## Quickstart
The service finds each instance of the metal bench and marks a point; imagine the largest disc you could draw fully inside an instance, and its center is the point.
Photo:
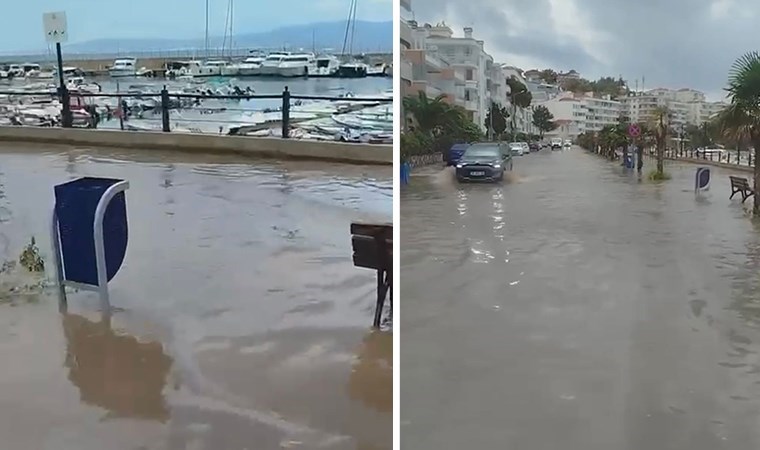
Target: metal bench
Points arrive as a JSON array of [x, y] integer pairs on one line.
[[373, 249], [739, 184]]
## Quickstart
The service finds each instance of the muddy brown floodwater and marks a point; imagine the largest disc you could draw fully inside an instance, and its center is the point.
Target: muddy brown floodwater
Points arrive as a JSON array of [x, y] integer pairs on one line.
[[240, 320], [578, 308]]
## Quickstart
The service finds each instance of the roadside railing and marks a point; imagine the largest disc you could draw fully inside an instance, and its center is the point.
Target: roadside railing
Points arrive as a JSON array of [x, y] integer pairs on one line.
[[738, 158], [240, 112]]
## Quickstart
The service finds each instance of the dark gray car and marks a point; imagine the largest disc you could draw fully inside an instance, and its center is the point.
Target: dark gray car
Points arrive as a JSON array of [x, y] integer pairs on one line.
[[484, 162]]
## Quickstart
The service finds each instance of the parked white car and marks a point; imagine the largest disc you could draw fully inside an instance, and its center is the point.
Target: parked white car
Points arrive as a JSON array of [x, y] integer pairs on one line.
[[516, 148]]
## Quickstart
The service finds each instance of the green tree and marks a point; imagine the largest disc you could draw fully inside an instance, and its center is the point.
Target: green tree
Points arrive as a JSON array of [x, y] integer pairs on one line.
[[549, 76], [519, 97], [741, 119], [431, 115], [543, 119], [438, 126], [496, 119]]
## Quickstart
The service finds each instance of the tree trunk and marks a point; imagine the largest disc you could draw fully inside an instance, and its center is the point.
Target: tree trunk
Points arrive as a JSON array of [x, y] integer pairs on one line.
[[660, 157], [756, 186]]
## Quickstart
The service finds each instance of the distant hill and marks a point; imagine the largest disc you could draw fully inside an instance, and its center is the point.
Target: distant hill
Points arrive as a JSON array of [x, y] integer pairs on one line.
[[368, 37]]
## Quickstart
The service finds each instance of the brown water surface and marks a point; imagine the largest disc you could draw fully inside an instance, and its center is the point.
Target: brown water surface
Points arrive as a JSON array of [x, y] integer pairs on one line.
[[240, 321]]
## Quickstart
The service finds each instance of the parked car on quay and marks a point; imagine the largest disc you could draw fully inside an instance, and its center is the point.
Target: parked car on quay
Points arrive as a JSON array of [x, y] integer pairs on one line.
[[484, 161]]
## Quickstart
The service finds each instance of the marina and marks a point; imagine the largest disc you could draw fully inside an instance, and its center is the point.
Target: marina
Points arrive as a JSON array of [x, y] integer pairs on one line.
[[351, 110]]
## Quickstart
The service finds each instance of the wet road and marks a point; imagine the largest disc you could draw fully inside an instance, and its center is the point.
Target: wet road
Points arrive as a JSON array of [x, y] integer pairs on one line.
[[577, 308], [241, 321]]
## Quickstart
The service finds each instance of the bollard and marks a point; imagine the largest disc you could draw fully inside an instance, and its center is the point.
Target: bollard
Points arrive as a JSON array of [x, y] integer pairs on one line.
[[165, 110], [89, 234], [286, 113]]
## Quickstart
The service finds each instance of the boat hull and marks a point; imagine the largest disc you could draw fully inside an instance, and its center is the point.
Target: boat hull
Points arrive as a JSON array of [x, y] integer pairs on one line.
[[122, 73], [292, 72], [249, 71]]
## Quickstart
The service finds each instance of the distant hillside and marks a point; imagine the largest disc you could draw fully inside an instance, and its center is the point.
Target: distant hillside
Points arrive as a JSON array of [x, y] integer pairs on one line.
[[368, 37]]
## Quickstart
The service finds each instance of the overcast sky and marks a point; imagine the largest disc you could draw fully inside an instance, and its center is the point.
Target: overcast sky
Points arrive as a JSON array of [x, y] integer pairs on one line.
[[93, 19], [671, 43]]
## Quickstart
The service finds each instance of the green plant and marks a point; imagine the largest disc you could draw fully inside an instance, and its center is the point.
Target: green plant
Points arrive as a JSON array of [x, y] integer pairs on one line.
[[657, 176], [30, 258]]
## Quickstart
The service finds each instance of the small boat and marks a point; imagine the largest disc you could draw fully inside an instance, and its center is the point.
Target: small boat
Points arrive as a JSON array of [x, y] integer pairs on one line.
[[211, 68], [182, 69], [123, 67], [352, 70], [378, 70], [327, 66]]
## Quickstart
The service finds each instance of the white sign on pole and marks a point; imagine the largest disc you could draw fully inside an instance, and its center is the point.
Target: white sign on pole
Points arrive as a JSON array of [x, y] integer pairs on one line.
[[56, 29]]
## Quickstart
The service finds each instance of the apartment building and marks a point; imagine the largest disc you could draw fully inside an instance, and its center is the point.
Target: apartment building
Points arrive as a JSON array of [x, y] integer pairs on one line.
[[581, 113], [686, 106], [470, 62]]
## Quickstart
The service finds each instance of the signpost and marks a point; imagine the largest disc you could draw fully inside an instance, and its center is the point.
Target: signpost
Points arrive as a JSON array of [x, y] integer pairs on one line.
[[89, 234], [56, 31], [634, 130]]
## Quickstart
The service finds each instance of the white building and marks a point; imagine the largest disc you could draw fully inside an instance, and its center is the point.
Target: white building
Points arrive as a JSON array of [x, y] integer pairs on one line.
[[577, 114], [686, 106], [470, 62]]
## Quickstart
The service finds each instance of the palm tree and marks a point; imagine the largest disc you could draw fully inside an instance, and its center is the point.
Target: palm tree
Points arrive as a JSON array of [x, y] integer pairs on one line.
[[431, 115], [741, 119], [660, 118]]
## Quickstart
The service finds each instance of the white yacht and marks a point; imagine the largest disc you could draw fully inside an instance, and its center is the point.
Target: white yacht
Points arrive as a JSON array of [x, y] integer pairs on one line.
[[297, 65], [212, 68], [250, 66], [271, 64], [123, 67], [327, 66]]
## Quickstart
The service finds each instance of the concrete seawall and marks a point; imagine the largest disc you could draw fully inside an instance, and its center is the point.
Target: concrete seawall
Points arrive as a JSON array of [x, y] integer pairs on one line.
[[252, 146]]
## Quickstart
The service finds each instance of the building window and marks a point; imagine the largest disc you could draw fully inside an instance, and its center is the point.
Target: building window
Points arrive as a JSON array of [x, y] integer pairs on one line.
[[468, 75], [467, 95]]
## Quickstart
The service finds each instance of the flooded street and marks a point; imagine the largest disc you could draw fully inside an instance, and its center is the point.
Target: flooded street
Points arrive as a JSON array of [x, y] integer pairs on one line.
[[578, 308], [240, 320]]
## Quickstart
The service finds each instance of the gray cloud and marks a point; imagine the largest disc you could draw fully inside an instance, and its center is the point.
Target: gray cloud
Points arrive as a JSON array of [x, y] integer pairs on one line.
[[673, 43]]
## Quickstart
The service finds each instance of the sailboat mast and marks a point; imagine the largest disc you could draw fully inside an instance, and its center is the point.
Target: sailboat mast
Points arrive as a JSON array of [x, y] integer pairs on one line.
[[207, 43]]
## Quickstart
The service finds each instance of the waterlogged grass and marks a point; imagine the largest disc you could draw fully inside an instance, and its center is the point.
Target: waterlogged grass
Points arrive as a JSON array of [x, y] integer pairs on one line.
[[23, 279], [656, 176]]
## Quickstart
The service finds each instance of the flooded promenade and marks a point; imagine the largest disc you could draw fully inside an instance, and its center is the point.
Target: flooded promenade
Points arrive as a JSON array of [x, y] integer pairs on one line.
[[578, 308], [240, 320]]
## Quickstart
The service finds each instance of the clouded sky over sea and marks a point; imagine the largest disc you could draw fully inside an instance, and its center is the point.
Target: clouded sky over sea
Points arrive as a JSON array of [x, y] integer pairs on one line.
[[96, 19], [673, 43]]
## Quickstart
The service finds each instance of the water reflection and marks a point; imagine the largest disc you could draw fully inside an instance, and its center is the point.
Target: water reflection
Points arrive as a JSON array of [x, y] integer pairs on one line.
[[116, 372], [372, 375]]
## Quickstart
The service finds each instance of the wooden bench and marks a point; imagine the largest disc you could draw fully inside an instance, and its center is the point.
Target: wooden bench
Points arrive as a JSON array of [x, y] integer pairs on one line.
[[739, 184], [373, 249]]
